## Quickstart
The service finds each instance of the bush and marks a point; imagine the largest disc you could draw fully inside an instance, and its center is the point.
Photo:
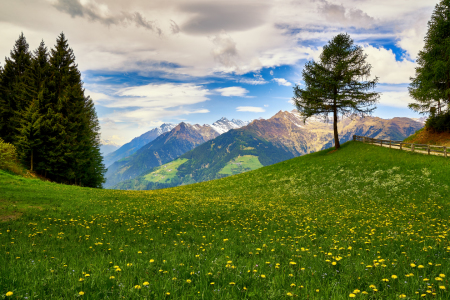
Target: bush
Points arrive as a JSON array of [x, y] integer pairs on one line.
[[439, 123], [8, 156]]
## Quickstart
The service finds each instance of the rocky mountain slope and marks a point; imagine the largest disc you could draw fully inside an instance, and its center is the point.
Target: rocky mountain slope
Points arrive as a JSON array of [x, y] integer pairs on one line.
[[163, 149], [233, 152], [135, 144]]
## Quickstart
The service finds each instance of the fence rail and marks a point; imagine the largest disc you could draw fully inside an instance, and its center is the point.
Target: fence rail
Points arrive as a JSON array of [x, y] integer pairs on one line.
[[420, 148]]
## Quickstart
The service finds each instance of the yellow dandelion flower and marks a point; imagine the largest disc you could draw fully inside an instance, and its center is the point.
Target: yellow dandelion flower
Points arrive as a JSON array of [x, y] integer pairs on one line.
[[292, 263], [111, 277], [263, 276], [289, 294], [420, 266], [394, 277], [356, 291], [145, 283], [352, 295], [9, 294], [137, 286], [212, 283], [333, 263], [152, 260], [81, 293], [87, 275], [438, 279], [385, 279], [442, 275], [232, 283], [402, 296], [442, 287], [292, 284]]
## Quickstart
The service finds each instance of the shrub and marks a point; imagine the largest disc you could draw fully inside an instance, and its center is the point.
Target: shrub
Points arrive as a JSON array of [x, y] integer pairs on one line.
[[8, 156], [439, 123]]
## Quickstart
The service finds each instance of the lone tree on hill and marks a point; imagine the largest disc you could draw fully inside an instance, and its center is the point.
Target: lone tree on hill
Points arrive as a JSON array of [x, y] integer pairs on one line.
[[431, 86], [335, 84]]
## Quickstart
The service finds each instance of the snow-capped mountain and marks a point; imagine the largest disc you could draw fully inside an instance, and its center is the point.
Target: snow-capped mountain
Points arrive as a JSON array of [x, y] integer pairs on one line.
[[223, 125], [136, 143]]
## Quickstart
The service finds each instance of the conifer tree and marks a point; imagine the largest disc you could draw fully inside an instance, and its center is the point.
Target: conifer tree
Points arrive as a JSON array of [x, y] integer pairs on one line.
[[431, 86], [334, 83], [15, 89]]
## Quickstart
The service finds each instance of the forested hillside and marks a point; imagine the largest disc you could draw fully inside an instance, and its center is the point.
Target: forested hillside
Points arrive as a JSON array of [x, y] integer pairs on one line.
[[45, 114]]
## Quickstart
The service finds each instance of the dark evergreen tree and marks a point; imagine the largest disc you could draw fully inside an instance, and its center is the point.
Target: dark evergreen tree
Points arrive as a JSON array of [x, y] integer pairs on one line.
[[14, 90], [334, 83], [70, 123], [431, 86]]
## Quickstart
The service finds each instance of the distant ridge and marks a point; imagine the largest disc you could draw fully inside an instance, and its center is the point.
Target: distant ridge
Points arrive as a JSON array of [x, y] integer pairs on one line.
[[166, 147], [135, 144]]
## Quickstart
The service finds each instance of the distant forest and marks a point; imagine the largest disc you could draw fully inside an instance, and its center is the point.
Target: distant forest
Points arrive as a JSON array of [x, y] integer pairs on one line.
[[45, 114]]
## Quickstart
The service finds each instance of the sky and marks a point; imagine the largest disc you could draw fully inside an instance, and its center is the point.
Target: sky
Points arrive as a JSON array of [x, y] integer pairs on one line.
[[149, 62]]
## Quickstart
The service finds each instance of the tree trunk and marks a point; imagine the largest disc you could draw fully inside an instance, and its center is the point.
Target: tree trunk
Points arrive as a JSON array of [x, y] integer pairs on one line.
[[31, 160], [337, 145]]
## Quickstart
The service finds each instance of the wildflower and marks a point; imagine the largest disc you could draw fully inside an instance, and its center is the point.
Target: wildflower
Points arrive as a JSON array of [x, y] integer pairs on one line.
[[167, 293], [289, 294], [385, 279], [145, 283], [352, 295], [333, 263], [212, 283], [229, 262], [232, 283], [137, 286], [292, 263], [356, 291], [412, 265], [438, 279], [426, 279], [87, 275], [81, 279], [372, 286], [292, 284], [317, 291], [139, 252], [81, 293], [111, 277], [394, 277], [442, 287], [263, 276], [9, 294], [402, 296], [152, 260], [442, 275]]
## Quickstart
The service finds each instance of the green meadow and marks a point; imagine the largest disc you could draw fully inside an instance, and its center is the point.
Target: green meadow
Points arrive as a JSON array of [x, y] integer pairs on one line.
[[165, 172], [363, 222], [241, 164]]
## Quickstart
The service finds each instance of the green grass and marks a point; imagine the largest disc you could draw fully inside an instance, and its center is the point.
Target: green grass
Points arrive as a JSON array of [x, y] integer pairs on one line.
[[241, 164], [165, 173], [315, 227]]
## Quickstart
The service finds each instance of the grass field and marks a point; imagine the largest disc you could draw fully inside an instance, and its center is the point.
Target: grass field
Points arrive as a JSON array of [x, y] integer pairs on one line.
[[364, 222], [241, 164], [165, 172]]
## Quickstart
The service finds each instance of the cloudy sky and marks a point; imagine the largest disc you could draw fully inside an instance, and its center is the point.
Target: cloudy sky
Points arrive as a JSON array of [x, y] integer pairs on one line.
[[147, 62]]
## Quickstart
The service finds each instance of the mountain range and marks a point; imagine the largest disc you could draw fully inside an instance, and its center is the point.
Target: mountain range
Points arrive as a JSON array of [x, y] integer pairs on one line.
[[260, 143], [164, 148]]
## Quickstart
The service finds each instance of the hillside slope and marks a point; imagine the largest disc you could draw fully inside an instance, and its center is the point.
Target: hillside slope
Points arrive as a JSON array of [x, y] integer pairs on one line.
[[318, 226], [429, 137], [207, 161]]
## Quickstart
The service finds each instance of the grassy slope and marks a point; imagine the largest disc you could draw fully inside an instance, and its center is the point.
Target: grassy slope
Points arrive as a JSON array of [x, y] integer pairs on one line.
[[165, 172], [370, 210], [241, 164]]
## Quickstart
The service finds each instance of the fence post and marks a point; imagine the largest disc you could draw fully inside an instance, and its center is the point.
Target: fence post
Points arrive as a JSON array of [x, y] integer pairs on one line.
[[354, 137], [412, 147], [428, 146], [381, 142], [364, 139], [390, 142], [400, 145], [445, 151]]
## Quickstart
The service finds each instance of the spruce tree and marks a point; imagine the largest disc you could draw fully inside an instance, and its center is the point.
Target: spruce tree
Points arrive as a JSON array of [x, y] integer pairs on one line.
[[14, 90], [71, 123], [334, 84], [431, 86]]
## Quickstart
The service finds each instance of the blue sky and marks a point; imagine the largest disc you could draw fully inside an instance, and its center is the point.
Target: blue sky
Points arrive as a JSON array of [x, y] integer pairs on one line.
[[145, 63]]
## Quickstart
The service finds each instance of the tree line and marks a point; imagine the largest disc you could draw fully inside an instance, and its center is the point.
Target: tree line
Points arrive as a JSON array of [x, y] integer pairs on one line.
[[46, 115]]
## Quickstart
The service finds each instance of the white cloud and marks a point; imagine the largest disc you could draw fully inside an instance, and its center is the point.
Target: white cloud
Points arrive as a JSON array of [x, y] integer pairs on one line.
[[250, 109], [282, 81], [396, 99], [258, 80], [271, 72], [159, 95], [387, 68], [236, 91]]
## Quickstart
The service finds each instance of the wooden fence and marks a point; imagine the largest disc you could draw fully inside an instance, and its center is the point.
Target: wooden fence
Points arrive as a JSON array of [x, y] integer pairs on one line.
[[420, 148]]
